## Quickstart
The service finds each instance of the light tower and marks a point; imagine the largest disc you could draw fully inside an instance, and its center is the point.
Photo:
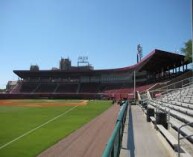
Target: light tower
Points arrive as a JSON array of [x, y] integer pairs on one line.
[[139, 53]]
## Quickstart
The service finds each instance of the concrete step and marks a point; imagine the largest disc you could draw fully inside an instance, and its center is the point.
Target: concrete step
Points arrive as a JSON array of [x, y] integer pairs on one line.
[[181, 116], [186, 131], [185, 105], [171, 139]]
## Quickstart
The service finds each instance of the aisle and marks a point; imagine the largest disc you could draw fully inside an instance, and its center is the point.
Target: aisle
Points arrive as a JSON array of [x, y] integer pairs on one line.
[[141, 139]]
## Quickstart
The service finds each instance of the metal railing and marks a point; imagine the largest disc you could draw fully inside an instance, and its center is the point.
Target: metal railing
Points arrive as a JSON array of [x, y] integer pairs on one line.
[[171, 87], [113, 146], [184, 137]]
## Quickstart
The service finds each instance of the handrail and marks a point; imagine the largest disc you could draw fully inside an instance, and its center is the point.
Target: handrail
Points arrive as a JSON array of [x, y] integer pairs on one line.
[[190, 79], [170, 90], [185, 137], [113, 146]]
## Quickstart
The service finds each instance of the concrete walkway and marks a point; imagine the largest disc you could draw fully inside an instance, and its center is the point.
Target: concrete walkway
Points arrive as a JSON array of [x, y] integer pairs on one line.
[[140, 138]]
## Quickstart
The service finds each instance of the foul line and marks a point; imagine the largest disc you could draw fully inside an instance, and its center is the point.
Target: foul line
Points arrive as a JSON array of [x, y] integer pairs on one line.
[[3, 146]]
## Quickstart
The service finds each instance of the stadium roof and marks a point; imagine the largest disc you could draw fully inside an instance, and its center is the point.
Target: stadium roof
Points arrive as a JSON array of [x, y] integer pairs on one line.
[[159, 60], [156, 61]]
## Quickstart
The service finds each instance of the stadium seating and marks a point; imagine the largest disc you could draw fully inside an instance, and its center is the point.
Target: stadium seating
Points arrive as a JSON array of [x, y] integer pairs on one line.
[[45, 88], [89, 87], [177, 103], [66, 88], [127, 92], [75, 87], [28, 87], [16, 89]]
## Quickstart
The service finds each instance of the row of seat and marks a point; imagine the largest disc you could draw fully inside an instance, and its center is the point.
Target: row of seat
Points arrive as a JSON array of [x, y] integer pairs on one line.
[[178, 105], [177, 118], [183, 95], [26, 87]]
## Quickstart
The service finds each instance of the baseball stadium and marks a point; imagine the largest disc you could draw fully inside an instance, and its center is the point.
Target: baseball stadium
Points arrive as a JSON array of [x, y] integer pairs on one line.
[[80, 111]]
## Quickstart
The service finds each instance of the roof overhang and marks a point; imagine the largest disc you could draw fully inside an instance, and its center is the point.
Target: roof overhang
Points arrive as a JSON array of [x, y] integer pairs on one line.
[[154, 62]]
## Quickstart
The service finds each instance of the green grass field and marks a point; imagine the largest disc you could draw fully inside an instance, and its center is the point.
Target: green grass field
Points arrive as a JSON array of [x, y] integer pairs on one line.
[[15, 121]]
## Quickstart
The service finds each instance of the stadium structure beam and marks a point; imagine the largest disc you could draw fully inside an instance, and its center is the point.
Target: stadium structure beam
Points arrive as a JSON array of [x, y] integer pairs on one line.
[[134, 84], [192, 28]]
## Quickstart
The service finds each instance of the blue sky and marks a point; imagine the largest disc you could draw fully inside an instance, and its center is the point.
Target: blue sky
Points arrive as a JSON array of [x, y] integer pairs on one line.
[[107, 31]]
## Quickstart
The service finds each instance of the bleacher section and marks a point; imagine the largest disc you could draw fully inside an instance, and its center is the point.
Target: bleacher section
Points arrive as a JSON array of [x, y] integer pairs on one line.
[[49, 87], [66, 88], [17, 88], [28, 87], [176, 101], [45, 88], [127, 92], [89, 87]]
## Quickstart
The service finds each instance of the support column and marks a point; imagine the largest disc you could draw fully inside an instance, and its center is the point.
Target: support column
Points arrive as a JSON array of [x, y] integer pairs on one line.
[[162, 73], [174, 69]]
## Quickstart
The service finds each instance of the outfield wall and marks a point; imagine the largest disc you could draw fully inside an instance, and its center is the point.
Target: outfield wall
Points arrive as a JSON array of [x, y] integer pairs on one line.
[[53, 96]]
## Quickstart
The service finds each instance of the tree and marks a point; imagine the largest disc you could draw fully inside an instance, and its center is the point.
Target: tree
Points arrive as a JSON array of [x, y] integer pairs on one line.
[[187, 50]]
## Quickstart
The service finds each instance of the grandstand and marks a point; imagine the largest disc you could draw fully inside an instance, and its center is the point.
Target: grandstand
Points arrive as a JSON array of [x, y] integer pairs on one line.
[[157, 66]]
